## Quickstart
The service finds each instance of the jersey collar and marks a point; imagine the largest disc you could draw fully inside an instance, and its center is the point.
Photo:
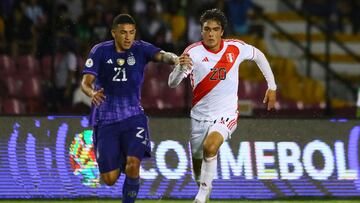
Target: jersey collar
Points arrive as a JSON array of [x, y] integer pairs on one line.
[[215, 52]]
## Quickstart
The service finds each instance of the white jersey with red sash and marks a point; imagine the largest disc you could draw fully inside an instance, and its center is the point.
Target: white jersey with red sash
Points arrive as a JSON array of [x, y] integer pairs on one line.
[[215, 78]]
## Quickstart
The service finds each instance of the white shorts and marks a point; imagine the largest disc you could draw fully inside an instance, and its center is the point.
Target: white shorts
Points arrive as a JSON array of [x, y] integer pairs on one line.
[[200, 129]]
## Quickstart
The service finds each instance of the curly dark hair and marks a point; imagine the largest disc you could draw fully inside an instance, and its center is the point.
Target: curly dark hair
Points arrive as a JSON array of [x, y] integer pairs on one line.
[[214, 14]]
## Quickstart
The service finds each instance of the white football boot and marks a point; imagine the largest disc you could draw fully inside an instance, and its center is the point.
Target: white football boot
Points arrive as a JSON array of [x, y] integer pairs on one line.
[[203, 194]]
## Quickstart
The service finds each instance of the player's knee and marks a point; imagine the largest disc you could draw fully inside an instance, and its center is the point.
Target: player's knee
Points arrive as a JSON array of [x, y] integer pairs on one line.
[[132, 167], [212, 144], [109, 180], [210, 150], [111, 177]]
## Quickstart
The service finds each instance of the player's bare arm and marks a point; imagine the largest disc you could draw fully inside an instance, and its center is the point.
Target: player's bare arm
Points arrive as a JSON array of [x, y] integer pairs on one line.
[[97, 96], [166, 57]]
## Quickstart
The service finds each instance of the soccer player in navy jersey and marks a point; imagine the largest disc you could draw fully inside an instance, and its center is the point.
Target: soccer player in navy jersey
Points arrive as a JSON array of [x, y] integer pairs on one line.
[[112, 77]]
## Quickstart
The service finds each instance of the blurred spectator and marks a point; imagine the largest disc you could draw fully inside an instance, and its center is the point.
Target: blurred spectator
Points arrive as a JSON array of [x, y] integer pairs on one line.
[[208, 4], [45, 36], [75, 8], [161, 40], [325, 9], [84, 31], [139, 7], [95, 5], [237, 12], [79, 98], [21, 33], [194, 27], [337, 13], [177, 21], [64, 25], [321, 8], [6, 8], [153, 23], [2, 32], [65, 72], [35, 12], [100, 29], [355, 15]]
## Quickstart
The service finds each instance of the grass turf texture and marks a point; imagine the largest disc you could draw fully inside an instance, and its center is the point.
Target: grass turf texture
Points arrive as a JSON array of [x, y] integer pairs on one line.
[[182, 201]]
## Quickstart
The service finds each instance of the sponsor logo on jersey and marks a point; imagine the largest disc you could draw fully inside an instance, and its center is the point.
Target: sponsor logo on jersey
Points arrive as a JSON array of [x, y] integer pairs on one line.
[[131, 60], [205, 59], [89, 63], [120, 62], [109, 61], [230, 57]]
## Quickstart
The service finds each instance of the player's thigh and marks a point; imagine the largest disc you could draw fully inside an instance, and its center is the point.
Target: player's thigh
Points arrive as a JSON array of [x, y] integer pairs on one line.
[[108, 154], [199, 131], [138, 137], [225, 126]]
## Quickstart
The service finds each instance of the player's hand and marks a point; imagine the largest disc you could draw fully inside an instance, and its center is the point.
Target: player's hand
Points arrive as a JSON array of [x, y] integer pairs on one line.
[[270, 99], [185, 61], [97, 97]]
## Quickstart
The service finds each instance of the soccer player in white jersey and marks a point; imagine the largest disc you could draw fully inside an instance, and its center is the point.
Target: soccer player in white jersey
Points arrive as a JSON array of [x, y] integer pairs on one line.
[[213, 67]]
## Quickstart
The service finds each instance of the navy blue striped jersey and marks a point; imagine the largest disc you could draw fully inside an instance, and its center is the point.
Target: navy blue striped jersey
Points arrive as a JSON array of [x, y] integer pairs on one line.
[[121, 75]]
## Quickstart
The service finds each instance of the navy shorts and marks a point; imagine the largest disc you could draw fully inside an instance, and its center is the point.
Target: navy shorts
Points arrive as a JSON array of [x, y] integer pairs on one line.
[[114, 142]]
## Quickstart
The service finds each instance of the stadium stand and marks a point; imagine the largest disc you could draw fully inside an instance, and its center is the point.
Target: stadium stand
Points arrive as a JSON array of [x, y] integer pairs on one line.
[[7, 65], [13, 106], [47, 69], [14, 85], [296, 88], [27, 65]]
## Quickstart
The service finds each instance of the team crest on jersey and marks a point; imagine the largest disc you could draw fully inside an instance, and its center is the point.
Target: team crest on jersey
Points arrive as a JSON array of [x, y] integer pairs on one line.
[[131, 60], [120, 61], [89, 63], [230, 57]]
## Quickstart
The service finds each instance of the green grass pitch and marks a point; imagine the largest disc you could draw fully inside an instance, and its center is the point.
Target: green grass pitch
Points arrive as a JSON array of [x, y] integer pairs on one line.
[[181, 201]]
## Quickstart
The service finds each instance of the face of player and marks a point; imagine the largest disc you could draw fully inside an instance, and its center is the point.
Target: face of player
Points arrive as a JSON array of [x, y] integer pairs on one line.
[[124, 36], [211, 33]]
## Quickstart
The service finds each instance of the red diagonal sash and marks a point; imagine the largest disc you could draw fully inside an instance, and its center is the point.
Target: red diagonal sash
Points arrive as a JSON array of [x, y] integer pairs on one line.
[[226, 61]]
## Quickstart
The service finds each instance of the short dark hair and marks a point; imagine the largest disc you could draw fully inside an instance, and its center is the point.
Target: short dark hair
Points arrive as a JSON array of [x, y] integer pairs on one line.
[[123, 19], [214, 14]]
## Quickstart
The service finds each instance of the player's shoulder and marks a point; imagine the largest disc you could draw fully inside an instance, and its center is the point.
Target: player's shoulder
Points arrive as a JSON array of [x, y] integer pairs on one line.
[[236, 42], [193, 46], [102, 46], [141, 43]]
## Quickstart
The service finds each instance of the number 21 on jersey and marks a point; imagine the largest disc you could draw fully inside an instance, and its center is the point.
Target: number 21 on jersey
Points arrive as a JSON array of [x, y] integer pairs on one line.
[[120, 74]]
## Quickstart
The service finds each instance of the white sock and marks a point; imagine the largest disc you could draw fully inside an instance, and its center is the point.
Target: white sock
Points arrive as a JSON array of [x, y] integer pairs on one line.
[[208, 170]]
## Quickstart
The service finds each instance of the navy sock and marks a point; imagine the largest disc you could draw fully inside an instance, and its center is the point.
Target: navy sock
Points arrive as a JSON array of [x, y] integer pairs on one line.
[[130, 189]]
